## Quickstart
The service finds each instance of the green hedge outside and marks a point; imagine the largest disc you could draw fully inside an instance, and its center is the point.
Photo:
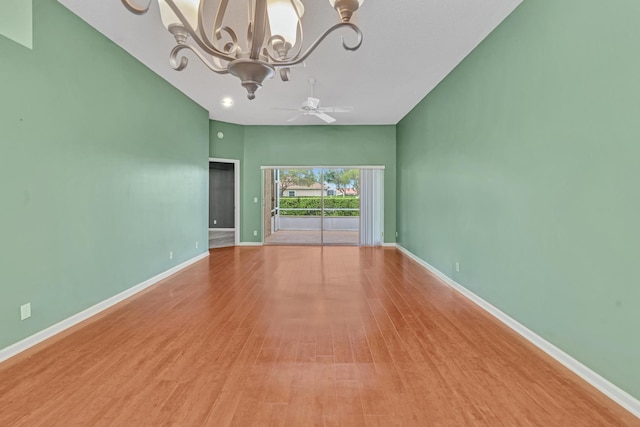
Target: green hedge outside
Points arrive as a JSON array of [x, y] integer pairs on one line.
[[313, 202]]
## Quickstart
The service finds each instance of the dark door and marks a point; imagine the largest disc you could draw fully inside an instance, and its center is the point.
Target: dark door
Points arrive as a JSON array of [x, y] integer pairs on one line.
[[221, 204]]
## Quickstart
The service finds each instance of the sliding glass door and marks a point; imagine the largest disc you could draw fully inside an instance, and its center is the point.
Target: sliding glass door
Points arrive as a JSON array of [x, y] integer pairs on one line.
[[341, 207], [313, 206], [296, 214]]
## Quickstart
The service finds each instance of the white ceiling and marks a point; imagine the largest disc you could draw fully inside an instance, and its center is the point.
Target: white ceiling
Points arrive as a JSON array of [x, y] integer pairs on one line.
[[409, 47]]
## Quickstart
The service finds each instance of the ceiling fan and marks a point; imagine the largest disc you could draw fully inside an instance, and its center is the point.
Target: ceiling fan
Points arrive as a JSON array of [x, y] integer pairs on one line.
[[311, 107]]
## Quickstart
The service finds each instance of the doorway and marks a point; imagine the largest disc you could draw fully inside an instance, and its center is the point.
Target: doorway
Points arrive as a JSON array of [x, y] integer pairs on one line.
[[223, 203], [317, 206]]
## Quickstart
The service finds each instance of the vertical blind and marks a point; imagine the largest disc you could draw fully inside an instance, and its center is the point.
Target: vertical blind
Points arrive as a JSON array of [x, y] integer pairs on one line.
[[371, 207]]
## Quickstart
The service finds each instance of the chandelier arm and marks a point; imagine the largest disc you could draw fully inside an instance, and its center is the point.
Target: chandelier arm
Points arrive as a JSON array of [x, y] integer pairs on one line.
[[319, 40], [234, 40], [267, 52], [217, 28], [259, 29], [179, 65], [250, 13], [278, 38], [222, 9], [210, 49], [217, 63], [299, 29], [201, 27], [136, 9]]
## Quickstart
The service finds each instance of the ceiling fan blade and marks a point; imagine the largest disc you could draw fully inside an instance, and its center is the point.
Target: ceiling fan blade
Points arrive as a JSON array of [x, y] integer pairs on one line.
[[336, 109], [313, 102], [327, 118], [294, 118]]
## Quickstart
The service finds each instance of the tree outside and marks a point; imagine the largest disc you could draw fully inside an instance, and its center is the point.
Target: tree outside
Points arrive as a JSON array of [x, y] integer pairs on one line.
[[343, 179], [296, 177], [345, 202]]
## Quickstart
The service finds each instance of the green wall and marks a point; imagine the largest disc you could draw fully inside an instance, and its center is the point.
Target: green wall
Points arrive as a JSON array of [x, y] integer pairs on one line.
[[231, 146], [522, 165], [304, 146], [16, 21], [103, 171]]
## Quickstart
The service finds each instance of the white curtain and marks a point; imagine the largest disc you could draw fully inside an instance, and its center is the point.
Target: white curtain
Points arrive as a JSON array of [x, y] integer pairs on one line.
[[371, 207]]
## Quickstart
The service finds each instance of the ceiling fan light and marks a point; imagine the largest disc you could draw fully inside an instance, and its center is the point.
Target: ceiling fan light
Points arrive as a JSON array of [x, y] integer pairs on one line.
[[283, 19], [189, 9]]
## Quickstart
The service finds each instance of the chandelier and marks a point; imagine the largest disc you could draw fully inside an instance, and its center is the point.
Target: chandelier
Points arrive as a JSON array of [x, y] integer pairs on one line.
[[273, 43]]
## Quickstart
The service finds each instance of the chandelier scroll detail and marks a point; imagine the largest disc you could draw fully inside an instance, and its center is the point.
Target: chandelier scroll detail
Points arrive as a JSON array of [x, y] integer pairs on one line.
[[274, 38]]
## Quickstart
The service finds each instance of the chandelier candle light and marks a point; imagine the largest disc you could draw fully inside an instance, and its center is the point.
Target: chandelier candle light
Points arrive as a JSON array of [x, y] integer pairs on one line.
[[274, 36]]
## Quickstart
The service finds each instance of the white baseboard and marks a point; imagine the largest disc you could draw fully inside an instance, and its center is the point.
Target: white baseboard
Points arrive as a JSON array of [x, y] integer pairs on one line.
[[389, 245], [49, 332], [250, 244], [614, 392]]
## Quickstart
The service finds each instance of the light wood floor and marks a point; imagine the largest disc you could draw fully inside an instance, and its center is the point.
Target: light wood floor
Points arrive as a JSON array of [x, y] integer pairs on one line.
[[297, 336]]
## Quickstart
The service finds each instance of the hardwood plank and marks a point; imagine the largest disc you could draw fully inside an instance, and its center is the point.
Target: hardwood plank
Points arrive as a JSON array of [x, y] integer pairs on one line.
[[274, 336], [349, 404]]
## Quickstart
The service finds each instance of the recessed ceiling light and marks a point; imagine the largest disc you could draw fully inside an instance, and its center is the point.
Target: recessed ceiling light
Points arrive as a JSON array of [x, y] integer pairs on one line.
[[227, 102]]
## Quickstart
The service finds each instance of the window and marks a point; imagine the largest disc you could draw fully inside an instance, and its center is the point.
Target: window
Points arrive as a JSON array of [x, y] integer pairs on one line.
[[292, 193], [331, 192]]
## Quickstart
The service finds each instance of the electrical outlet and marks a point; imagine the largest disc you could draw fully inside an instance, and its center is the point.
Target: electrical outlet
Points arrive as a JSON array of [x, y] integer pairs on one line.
[[457, 267], [25, 311], [197, 245], [255, 200], [170, 254], [255, 232], [396, 234], [215, 221]]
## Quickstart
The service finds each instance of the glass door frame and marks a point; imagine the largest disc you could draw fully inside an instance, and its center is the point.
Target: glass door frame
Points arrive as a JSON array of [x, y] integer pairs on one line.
[[322, 170]]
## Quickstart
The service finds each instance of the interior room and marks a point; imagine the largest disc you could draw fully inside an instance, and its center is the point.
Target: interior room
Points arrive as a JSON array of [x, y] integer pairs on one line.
[[493, 279]]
